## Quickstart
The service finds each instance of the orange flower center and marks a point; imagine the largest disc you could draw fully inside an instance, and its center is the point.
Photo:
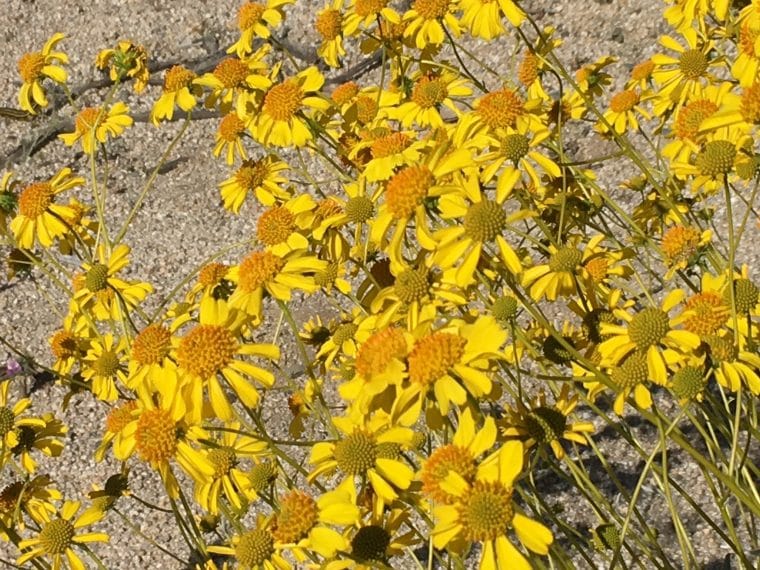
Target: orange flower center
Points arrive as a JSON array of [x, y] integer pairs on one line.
[[527, 73], [120, 416], [231, 72], [750, 103], [283, 100], [64, 345], [708, 313], [88, 120], [328, 24], [435, 470], [251, 174], [747, 37], [206, 350], [249, 14], [212, 274], [642, 70], [407, 189], [366, 109], [485, 511], [691, 116], [344, 93], [500, 109], [433, 356], [365, 8], [275, 225], [30, 66], [35, 199], [156, 436], [597, 268], [231, 127], [298, 514], [624, 101], [152, 345], [693, 64], [176, 78], [389, 145], [431, 9], [429, 92], [258, 268], [377, 352]]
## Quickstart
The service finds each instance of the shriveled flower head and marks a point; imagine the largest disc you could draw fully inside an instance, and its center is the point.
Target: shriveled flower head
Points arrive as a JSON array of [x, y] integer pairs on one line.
[[126, 61]]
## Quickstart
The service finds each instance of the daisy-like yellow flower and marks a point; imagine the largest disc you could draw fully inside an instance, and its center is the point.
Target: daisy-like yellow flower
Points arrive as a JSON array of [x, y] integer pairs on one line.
[[429, 94], [19, 497], [746, 65], [416, 293], [329, 26], [497, 111], [210, 353], [460, 456], [517, 150], [99, 291], [448, 364], [151, 353], [12, 420], [621, 114], [484, 512], [179, 90], [262, 177], [732, 363], [281, 121], [560, 275], [708, 311], [263, 270], [95, 124], [34, 67], [103, 365], [546, 424], [83, 229], [370, 449], [649, 331], [353, 211], [303, 523], [388, 150], [379, 363], [710, 108], [282, 228], [126, 60], [45, 438], [255, 549], [70, 343], [678, 76], [254, 20], [425, 21], [362, 14], [229, 137], [237, 82], [117, 419], [715, 159], [373, 543], [161, 434], [682, 245], [228, 480], [58, 536], [39, 218], [405, 195], [481, 223]]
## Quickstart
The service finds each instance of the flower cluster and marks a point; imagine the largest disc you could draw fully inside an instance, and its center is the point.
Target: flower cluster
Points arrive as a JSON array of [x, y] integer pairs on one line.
[[488, 290]]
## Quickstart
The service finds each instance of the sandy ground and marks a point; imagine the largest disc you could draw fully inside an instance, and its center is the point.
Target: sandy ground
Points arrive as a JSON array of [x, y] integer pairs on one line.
[[182, 222]]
